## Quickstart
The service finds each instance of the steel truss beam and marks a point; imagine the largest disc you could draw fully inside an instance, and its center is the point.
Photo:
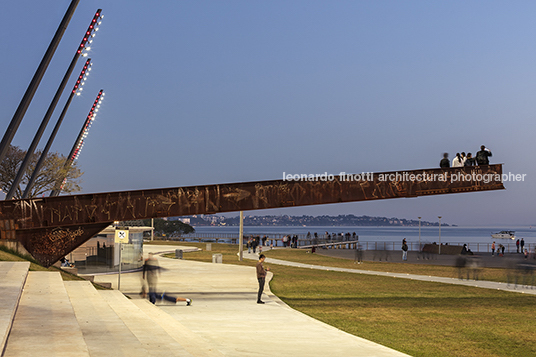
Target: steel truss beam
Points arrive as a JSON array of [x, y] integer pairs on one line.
[[49, 228]]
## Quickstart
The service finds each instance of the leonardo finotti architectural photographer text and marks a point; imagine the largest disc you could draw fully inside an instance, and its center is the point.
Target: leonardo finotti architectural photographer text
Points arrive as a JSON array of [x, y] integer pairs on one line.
[[405, 176]]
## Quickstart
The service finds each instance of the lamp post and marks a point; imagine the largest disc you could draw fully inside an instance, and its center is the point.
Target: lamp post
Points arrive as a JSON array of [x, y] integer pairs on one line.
[[439, 234], [419, 234], [36, 80], [30, 153], [79, 143], [76, 91], [241, 237]]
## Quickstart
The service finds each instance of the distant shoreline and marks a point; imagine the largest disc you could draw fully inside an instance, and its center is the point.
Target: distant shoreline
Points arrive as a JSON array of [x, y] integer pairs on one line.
[[349, 220]]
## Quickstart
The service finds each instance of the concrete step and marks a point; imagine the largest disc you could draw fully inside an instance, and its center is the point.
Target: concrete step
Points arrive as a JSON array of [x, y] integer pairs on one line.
[[12, 278], [104, 332], [151, 335], [45, 323], [191, 341]]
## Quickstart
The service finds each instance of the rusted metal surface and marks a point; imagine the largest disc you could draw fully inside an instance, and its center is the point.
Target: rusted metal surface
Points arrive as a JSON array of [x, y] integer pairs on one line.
[[51, 227]]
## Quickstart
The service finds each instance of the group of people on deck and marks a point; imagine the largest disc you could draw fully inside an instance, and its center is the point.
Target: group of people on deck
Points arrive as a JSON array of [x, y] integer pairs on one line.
[[481, 158]]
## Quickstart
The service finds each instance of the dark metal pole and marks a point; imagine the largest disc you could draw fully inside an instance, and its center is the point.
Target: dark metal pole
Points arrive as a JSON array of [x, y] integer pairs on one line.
[[54, 132], [42, 127], [77, 144], [36, 80], [22, 169]]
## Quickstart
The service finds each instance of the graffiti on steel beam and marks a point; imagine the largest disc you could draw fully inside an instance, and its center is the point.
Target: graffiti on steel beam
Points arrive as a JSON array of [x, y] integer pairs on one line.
[[55, 239]]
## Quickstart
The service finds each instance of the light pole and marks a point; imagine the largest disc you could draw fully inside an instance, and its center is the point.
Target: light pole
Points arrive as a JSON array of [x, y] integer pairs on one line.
[[419, 234], [76, 91], [78, 144], [36, 80], [241, 237], [52, 106], [439, 234]]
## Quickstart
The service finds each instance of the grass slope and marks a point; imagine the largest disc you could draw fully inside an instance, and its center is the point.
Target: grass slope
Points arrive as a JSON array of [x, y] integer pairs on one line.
[[418, 318]]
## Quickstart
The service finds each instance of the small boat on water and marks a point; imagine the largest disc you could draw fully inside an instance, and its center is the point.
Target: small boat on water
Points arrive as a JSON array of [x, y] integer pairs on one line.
[[504, 235]]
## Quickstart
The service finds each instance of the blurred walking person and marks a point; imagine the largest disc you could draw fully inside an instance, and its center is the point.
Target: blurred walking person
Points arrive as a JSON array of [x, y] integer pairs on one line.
[[151, 269]]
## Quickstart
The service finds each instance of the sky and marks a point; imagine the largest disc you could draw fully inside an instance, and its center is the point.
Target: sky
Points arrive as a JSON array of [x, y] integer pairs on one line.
[[204, 92]]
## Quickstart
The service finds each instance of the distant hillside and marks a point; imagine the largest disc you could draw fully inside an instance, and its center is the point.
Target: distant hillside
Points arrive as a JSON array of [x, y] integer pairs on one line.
[[341, 220]]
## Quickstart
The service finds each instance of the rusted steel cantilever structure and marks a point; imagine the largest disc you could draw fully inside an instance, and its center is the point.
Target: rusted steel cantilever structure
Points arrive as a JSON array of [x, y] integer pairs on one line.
[[49, 228]]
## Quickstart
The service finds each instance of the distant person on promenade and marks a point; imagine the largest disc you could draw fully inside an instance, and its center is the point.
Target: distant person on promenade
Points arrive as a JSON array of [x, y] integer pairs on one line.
[[457, 161], [151, 269], [254, 244], [522, 244], [445, 163], [493, 248], [470, 160], [517, 245], [261, 277], [482, 157], [460, 266], [358, 253], [404, 250]]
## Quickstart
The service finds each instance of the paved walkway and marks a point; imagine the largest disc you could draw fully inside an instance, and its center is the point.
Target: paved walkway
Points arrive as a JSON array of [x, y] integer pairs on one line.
[[224, 312]]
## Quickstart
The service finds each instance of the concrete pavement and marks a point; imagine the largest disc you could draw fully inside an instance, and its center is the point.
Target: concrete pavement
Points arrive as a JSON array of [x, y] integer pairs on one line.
[[225, 315]]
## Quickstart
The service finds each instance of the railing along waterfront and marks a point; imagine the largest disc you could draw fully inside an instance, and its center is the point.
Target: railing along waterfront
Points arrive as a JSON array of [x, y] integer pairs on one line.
[[341, 242]]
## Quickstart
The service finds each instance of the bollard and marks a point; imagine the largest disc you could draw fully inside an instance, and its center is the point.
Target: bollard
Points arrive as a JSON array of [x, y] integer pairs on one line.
[[217, 258], [178, 253]]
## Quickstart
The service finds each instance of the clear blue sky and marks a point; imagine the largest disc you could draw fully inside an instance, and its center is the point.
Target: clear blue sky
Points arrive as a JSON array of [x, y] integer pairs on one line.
[[201, 92]]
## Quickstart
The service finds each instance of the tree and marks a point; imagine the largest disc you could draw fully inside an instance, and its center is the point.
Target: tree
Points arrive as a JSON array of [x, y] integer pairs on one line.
[[45, 181], [162, 226]]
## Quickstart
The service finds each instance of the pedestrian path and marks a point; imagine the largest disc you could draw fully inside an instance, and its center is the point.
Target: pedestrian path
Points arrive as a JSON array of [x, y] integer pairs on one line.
[[473, 283], [12, 279], [224, 314]]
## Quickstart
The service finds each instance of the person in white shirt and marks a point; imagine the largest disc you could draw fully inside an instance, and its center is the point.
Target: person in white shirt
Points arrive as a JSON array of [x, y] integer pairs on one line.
[[457, 161], [464, 158]]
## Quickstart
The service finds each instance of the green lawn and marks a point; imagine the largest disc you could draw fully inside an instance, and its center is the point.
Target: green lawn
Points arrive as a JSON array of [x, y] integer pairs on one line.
[[418, 318]]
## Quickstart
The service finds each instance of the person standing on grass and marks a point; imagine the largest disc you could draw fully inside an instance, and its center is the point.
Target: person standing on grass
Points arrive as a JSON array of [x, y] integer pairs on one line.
[[261, 277]]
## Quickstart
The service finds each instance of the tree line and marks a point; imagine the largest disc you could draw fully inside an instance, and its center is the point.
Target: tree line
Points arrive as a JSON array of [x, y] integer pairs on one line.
[[47, 180]]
